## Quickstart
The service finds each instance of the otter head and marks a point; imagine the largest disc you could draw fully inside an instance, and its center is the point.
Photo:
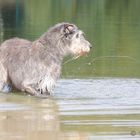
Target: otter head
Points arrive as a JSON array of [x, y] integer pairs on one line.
[[75, 39]]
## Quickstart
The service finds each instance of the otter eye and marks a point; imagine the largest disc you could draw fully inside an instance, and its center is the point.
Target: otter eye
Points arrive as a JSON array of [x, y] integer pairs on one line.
[[66, 35]]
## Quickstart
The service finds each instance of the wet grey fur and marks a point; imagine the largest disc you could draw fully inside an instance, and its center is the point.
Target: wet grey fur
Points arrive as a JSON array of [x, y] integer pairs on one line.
[[34, 67]]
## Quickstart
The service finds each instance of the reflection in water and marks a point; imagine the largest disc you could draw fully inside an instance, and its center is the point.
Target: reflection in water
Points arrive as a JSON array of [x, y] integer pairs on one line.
[[28, 118], [11, 18], [93, 109]]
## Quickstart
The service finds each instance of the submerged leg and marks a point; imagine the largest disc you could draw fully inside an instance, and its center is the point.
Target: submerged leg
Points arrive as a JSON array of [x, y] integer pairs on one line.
[[34, 90]]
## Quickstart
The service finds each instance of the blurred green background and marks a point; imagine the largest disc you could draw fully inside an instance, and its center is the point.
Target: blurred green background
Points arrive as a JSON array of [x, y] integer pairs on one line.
[[112, 27]]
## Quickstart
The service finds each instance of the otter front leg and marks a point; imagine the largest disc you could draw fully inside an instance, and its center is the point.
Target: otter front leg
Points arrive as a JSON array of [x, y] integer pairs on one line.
[[34, 90]]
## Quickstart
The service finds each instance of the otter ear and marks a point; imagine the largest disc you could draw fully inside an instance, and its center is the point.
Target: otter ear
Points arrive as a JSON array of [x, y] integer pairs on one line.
[[69, 28]]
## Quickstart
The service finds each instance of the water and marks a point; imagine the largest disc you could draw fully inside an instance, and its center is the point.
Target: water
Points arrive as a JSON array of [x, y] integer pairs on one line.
[[86, 108]]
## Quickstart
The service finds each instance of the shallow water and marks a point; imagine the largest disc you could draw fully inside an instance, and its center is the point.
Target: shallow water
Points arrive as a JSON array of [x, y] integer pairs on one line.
[[85, 109]]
